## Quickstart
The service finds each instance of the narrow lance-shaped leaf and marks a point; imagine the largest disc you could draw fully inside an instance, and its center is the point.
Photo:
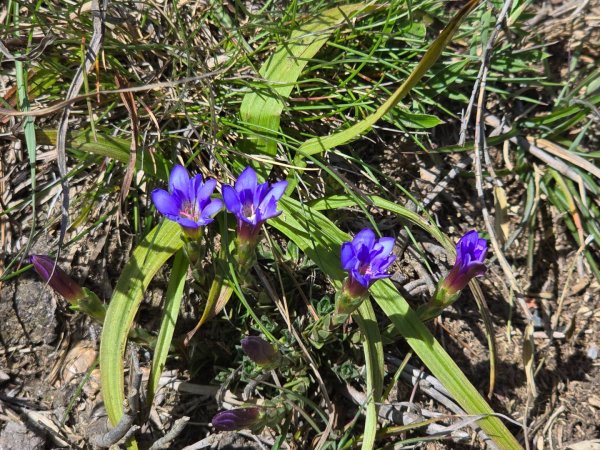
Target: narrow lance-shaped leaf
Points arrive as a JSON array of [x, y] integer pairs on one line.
[[262, 109], [148, 257]]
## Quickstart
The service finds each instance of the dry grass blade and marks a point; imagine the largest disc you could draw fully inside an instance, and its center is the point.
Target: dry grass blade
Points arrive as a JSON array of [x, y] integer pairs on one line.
[[129, 102], [63, 124]]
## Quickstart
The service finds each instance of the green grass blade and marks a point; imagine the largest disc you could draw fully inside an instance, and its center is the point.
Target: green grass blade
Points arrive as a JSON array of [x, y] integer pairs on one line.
[[30, 142], [321, 144], [373, 348], [111, 147], [169, 319], [148, 257], [262, 109], [320, 239]]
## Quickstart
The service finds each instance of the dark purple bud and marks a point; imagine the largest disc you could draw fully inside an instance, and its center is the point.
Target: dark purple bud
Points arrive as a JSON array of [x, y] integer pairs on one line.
[[237, 419], [57, 278], [471, 251], [366, 259], [260, 351]]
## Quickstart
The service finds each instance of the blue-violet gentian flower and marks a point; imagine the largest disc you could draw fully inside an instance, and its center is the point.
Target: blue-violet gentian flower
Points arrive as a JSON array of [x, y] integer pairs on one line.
[[470, 256], [252, 203], [238, 419], [188, 201], [366, 259]]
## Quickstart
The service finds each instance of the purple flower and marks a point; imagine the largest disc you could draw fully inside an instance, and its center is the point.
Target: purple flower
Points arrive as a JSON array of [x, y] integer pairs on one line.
[[188, 201], [237, 419], [252, 203], [470, 256], [57, 278], [260, 351], [366, 259]]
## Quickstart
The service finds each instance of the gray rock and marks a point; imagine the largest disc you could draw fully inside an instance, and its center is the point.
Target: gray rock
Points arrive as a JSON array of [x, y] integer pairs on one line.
[[15, 436], [27, 310]]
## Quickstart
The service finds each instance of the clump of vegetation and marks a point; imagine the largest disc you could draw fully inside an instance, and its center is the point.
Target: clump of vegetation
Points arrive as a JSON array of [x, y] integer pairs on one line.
[[300, 197]]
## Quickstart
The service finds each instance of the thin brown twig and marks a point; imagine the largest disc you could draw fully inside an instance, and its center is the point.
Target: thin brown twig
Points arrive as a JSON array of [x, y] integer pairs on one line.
[[480, 144], [125, 428], [39, 112]]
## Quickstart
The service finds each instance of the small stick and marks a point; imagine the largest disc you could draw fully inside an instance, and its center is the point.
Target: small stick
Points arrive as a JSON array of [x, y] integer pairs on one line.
[[176, 430], [125, 428]]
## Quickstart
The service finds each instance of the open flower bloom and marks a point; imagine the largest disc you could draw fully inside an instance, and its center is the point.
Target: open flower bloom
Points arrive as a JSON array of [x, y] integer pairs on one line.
[[252, 203], [57, 278], [188, 201], [238, 419], [366, 259], [470, 256]]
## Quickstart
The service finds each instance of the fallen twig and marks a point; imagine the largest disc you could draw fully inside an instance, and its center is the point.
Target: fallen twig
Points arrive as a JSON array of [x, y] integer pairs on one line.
[[176, 429], [125, 428]]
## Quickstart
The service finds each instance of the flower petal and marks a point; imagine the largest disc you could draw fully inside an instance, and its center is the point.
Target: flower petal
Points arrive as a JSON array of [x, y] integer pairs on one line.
[[165, 203], [387, 244], [205, 190], [476, 269], [267, 210], [347, 256], [246, 180], [364, 280], [212, 208], [232, 200], [189, 223], [278, 189], [179, 178], [269, 202], [365, 238], [381, 265]]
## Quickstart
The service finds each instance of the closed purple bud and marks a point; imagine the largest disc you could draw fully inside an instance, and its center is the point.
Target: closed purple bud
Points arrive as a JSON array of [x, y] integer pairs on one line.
[[471, 251], [237, 419], [57, 278], [260, 351]]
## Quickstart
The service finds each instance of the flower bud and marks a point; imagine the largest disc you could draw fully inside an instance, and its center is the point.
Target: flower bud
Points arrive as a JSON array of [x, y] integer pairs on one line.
[[57, 278], [260, 351], [238, 419]]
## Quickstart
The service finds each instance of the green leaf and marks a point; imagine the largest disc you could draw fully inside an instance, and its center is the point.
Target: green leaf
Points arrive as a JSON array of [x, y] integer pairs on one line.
[[321, 144], [262, 109], [418, 121], [148, 257], [373, 349], [169, 319], [111, 147], [320, 239]]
